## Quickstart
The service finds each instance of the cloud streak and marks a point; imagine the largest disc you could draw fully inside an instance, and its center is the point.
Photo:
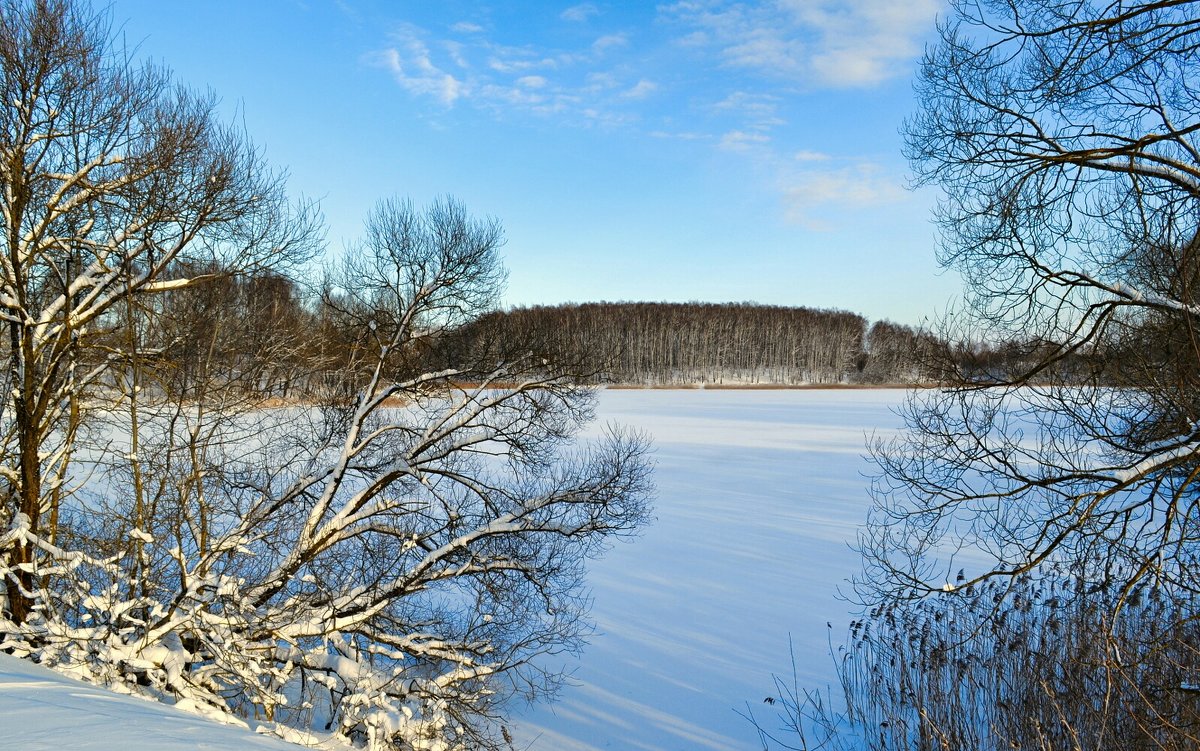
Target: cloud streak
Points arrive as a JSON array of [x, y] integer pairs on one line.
[[640, 90], [473, 69], [726, 75], [743, 141], [579, 13], [813, 43], [825, 184], [412, 66]]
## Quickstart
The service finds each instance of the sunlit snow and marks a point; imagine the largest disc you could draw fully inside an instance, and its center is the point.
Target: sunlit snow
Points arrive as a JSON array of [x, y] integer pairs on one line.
[[41, 710], [760, 495]]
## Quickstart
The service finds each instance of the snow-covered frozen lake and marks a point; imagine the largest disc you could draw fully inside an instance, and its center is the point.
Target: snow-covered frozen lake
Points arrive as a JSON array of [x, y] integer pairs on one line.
[[760, 496]]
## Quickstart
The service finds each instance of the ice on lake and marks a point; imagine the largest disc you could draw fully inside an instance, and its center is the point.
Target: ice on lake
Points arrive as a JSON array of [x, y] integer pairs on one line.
[[760, 497]]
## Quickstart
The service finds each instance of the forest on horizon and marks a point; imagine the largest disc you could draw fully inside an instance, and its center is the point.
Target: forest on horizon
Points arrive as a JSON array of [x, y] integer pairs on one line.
[[279, 341]]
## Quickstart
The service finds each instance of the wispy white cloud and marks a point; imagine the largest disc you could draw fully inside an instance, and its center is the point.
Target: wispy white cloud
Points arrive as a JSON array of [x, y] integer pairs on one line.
[[694, 39], [640, 90], [757, 111], [574, 83], [466, 27], [412, 66], [517, 61], [868, 40], [686, 135], [607, 118], [601, 81], [349, 11], [833, 43], [608, 42], [740, 140], [810, 194], [456, 51], [579, 13], [513, 96]]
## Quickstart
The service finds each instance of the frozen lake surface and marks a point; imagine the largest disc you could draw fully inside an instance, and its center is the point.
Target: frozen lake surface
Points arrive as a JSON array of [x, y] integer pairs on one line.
[[760, 497]]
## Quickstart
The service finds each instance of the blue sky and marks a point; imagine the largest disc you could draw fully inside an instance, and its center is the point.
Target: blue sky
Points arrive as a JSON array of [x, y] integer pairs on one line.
[[695, 150]]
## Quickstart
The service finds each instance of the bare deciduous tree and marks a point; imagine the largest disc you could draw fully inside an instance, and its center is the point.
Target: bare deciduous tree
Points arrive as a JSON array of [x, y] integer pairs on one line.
[[1064, 138], [387, 564], [384, 562], [111, 174]]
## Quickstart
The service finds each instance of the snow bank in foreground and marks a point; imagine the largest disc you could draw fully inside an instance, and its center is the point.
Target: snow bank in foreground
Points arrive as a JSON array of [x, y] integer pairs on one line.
[[44, 710]]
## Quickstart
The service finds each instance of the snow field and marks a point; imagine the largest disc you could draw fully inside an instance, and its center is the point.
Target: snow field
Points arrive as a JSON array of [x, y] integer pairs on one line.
[[41, 710], [760, 497]]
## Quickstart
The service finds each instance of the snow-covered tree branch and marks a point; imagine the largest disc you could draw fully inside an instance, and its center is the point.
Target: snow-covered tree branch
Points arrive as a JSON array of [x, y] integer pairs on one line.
[[383, 558]]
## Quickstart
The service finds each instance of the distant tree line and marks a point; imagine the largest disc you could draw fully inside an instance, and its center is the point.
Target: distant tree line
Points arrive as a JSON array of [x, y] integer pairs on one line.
[[267, 337], [663, 344]]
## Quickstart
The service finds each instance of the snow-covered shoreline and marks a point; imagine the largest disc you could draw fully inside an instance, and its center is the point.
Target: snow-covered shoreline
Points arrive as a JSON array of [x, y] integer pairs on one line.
[[42, 710]]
